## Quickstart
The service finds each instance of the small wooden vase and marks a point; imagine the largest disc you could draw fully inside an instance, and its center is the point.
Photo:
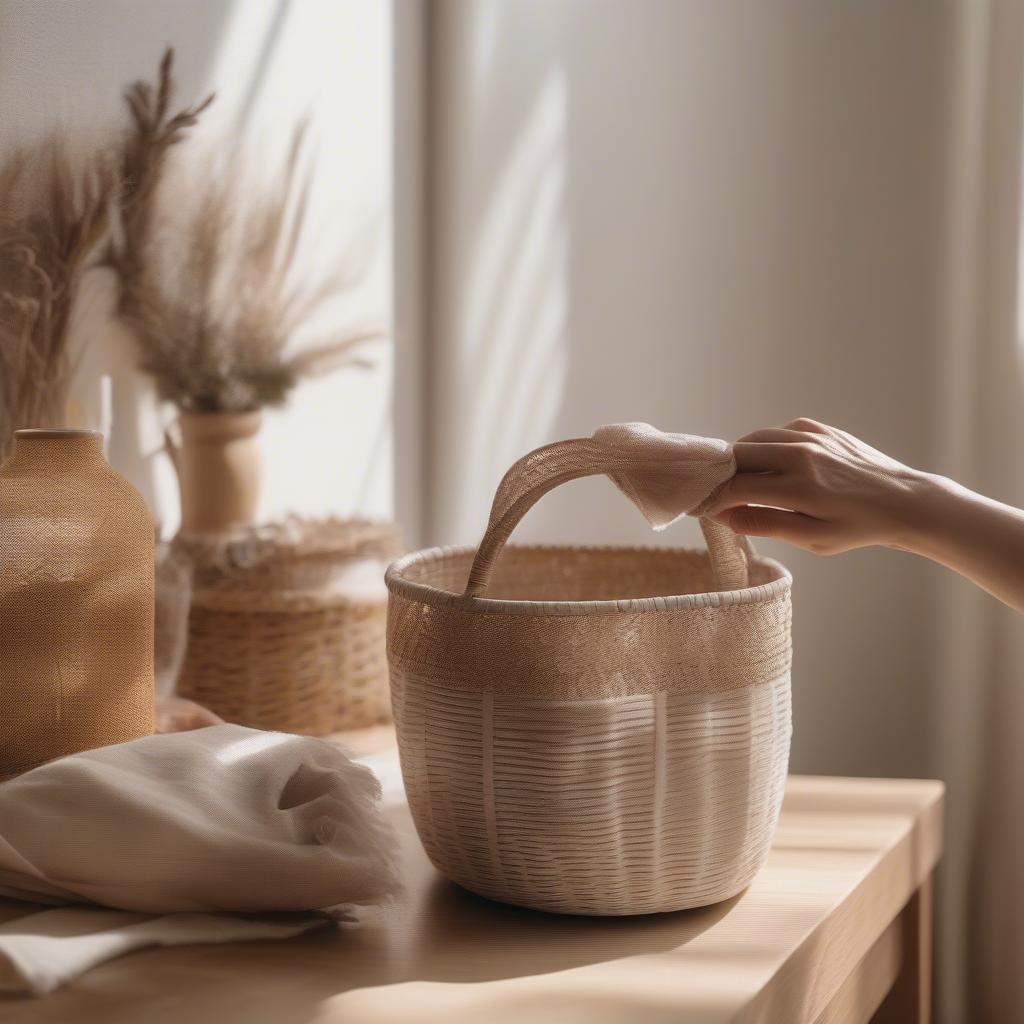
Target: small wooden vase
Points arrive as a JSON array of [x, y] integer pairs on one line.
[[76, 601], [218, 464]]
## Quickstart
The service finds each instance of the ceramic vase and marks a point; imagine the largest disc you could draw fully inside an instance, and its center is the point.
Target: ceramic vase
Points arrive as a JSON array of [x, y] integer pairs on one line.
[[76, 601], [218, 467]]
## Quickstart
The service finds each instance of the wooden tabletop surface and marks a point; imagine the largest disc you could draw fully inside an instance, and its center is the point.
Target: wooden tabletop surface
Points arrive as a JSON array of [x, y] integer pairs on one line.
[[847, 857]]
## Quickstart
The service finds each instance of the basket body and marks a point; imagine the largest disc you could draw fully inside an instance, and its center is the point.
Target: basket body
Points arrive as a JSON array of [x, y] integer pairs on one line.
[[603, 734], [287, 661], [285, 630]]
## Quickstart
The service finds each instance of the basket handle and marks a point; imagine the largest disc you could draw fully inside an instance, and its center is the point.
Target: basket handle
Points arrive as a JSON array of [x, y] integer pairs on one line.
[[542, 470]]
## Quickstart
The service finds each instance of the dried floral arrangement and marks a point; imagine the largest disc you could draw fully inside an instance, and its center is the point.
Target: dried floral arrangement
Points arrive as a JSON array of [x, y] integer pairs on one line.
[[54, 220], [206, 271]]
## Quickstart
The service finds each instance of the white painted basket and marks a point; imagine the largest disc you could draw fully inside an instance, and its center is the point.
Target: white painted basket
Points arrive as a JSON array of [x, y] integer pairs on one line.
[[608, 731]]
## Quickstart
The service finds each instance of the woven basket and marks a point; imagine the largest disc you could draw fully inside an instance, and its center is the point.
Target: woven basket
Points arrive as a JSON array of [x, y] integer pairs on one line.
[[278, 639], [607, 732]]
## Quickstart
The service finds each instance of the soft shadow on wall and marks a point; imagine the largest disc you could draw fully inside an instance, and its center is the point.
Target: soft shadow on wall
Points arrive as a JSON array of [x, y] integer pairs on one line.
[[712, 218]]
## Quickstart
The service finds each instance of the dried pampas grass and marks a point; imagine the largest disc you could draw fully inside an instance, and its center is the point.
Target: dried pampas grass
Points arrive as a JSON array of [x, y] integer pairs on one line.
[[54, 219], [206, 272], [143, 161]]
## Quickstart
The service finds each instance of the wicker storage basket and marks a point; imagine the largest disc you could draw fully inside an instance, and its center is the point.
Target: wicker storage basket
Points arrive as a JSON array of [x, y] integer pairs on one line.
[[607, 732], [280, 634]]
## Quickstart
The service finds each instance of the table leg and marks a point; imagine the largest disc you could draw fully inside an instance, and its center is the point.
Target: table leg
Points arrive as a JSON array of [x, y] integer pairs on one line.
[[910, 1000]]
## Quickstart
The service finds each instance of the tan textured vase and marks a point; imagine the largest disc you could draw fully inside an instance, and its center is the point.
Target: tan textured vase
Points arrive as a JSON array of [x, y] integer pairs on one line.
[[218, 464], [76, 601]]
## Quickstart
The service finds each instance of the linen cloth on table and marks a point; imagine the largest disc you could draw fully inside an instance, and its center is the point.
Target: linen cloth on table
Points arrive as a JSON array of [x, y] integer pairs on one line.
[[185, 825]]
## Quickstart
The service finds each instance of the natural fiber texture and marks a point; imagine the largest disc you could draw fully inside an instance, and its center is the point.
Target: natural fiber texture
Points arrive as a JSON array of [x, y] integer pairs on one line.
[[607, 731], [600, 622], [628, 805], [76, 602], [287, 627]]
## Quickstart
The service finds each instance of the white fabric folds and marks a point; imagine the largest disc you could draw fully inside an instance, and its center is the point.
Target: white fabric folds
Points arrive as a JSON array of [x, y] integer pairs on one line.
[[41, 952], [224, 818], [219, 819]]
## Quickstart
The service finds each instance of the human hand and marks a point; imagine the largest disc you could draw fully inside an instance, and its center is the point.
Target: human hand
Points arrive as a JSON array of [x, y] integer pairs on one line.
[[822, 489], [826, 491]]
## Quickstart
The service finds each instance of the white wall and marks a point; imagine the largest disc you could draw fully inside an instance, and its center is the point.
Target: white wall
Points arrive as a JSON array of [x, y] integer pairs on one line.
[[713, 217], [709, 216], [272, 62]]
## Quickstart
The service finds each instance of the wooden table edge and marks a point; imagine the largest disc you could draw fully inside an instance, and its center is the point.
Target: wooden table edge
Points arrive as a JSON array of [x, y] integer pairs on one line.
[[881, 929]]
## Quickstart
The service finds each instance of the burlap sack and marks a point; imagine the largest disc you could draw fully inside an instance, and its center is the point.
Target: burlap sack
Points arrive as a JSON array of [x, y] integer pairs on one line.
[[607, 730]]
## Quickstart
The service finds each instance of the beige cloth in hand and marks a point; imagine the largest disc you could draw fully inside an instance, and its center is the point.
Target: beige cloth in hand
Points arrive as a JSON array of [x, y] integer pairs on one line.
[[669, 475], [219, 819]]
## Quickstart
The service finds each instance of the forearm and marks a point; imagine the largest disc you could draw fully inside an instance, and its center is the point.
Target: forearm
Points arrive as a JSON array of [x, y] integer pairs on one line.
[[827, 491], [975, 536]]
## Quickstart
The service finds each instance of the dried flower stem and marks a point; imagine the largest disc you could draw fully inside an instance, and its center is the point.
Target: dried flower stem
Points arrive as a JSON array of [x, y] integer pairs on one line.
[[143, 161], [54, 217], [206, 274]]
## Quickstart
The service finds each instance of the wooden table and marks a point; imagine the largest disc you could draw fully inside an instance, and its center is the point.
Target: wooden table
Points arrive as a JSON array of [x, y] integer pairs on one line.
[[836, 927]]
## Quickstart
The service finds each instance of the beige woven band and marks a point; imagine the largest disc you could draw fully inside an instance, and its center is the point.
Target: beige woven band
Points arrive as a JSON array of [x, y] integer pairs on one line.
[[585, 656]]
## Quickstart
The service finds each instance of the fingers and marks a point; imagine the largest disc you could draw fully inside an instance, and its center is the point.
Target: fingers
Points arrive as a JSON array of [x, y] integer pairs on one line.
[[778, 435], [809, 426], [794, 527], [795, 430], [768, 456], [754, 489]]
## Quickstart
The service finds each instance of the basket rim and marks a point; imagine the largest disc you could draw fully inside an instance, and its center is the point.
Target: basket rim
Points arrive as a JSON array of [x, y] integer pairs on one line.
[[397, 583], [327, 539]]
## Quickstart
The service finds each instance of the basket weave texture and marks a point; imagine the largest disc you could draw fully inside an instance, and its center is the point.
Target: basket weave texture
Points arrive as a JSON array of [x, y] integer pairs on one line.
[[607, 730], [287, 625]]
